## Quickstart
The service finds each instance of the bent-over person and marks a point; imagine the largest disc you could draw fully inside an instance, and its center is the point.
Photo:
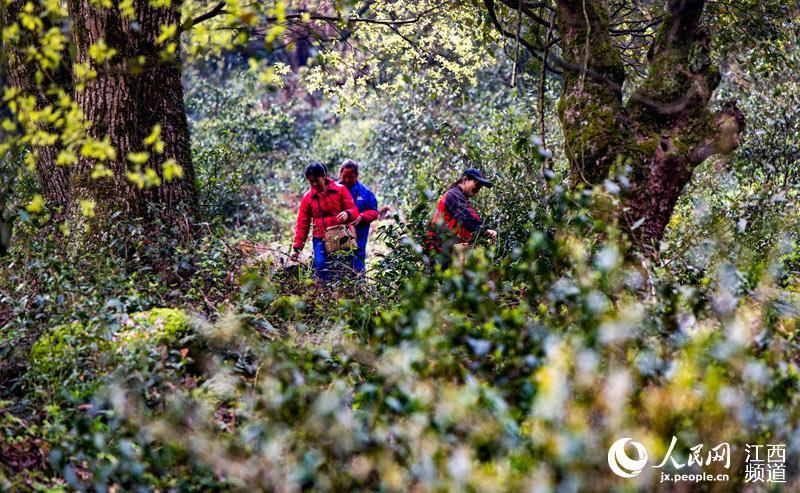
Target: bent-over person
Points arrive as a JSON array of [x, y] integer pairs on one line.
[[455, 220]]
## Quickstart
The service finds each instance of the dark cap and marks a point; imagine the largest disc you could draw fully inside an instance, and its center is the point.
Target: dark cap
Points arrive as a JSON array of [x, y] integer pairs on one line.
[[476, 174]]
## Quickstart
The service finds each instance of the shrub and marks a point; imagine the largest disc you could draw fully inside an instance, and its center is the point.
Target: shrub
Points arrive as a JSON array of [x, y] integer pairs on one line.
[[68, 360]]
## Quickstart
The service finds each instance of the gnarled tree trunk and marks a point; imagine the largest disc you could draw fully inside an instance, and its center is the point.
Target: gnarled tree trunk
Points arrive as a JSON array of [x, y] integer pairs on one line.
[[666, 128]]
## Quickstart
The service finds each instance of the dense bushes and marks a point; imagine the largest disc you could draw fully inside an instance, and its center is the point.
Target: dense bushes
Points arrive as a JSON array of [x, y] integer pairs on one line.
[[509, 371], [490, 376], [239, 138]]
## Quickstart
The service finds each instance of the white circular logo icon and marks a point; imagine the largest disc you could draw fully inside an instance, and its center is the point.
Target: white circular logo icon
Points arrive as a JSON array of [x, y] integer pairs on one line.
[[621, 464]]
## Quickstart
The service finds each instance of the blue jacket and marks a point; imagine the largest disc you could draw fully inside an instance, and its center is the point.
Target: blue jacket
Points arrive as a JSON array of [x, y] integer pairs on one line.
[[367, 204]]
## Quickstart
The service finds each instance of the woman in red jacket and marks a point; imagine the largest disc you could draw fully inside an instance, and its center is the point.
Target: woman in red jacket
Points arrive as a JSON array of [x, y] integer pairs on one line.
[[325, 204]]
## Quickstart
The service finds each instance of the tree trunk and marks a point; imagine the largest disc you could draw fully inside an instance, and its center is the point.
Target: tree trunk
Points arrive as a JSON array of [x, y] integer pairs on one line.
[[666, 128], [135, 90], [21, 75]]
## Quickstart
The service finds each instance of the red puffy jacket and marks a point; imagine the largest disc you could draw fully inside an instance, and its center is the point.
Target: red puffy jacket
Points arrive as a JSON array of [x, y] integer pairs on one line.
[[322, 208]]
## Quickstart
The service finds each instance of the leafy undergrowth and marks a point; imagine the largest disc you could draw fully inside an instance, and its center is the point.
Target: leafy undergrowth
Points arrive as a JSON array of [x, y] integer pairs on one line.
[[499, 373]]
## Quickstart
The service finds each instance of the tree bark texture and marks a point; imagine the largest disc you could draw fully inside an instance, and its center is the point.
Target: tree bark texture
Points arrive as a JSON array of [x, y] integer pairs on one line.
[[665, 129], [21, 75], [133, 92]]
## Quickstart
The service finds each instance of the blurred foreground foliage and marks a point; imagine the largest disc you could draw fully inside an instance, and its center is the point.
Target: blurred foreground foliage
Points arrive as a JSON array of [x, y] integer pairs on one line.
[[502, 372]]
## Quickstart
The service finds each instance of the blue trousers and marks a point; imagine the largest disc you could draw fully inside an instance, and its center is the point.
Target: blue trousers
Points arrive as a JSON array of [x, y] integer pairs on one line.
[[326, 267], [360, 257], [321, 264]]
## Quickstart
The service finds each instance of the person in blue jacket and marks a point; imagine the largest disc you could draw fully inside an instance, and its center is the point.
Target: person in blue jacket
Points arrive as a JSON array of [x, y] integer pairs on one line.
[[367, 207]]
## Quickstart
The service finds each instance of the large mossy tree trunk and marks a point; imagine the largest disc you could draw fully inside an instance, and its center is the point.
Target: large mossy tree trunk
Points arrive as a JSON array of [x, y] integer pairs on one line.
[[137, 89], [665, 129]]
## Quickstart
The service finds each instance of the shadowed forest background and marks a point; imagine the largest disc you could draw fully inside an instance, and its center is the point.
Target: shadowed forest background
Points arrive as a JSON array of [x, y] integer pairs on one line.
[[645, 281]]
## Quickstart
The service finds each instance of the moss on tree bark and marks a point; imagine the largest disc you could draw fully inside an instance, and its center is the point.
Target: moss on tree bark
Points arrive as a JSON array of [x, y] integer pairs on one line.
[[665, 129]]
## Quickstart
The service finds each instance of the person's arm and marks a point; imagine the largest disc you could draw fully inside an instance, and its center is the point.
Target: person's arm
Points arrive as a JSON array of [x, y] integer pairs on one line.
[[458, 207], [348, 205], [303, 224], [371, 212]]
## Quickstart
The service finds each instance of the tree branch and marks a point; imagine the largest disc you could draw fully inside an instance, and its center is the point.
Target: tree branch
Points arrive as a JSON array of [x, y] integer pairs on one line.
[[489, 4], [730, 124], [218, 9], [527, 11], [304, 14]]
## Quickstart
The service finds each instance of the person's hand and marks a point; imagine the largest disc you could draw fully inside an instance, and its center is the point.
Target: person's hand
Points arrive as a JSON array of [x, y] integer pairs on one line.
[[342, 216], [357, 221], [294, 255], [492, 234]]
